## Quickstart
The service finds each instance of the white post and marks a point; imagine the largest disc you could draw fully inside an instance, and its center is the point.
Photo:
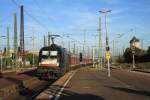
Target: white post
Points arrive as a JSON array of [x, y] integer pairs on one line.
[[108, 68], [93, 57], [133, 52], [133, 62]]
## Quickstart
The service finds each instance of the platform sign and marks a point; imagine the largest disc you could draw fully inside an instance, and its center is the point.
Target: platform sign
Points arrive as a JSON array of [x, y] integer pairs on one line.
[[107, 55]]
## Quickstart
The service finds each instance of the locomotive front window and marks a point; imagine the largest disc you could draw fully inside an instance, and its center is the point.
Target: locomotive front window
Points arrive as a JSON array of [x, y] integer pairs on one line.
[[53, 53], [50, 57], [45, 54], [49, 54]]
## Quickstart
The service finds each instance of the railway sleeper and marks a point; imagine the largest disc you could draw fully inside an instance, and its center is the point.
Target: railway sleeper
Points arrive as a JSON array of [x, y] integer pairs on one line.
[[8, 90]]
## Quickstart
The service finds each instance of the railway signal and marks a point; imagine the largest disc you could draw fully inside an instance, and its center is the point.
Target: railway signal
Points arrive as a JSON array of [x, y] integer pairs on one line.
[[80, 57]]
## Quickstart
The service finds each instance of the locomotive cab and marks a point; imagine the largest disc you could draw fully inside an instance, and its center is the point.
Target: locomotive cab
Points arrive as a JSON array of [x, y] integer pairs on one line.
[[52, 62]]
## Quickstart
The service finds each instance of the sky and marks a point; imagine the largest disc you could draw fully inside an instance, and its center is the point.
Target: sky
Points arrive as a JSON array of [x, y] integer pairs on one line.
[[69, 19]]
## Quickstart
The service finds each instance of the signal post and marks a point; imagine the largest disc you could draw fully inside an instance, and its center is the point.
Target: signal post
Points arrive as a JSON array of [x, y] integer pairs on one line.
[[107, 54]]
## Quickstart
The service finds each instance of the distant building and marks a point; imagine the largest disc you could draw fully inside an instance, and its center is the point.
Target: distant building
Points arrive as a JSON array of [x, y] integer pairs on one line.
[[11, 52], [135, 42]]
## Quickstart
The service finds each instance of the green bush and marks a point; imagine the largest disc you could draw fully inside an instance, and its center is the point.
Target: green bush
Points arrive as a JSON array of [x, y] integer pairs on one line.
[[140, 55], [29, 57]]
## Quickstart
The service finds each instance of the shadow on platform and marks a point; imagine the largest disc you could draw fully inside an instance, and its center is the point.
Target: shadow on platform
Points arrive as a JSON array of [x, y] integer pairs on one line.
[[69, 95], [138, 92]]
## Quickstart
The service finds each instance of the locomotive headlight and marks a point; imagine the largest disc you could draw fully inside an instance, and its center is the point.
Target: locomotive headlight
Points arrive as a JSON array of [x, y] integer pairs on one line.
[[39, 64], [57, 64]]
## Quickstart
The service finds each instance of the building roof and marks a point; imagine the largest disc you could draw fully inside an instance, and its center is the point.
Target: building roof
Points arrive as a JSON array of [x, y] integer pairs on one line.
[[134, 39]]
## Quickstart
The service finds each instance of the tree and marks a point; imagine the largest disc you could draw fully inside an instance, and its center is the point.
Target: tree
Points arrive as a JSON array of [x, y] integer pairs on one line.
[[128, 55], [29, 57], [148, 50], [138, 53]]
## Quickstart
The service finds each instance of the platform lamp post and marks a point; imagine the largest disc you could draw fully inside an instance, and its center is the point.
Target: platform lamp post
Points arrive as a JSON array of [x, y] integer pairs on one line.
[[107, 39], [100, 45], [94, 51]]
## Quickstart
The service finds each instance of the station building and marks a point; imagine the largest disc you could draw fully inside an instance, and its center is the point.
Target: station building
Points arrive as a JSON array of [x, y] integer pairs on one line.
[[135, 42]]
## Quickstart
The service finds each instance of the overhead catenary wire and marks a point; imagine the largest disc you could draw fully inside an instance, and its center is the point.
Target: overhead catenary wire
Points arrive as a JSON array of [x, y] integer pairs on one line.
[[31, 16], [41, 9]]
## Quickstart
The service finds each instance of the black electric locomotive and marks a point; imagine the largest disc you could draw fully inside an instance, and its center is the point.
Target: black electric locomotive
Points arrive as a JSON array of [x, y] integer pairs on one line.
[[53, 62]]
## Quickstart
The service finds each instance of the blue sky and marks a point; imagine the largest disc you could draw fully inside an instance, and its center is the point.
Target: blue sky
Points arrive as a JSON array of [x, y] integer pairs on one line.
[[72, 16]]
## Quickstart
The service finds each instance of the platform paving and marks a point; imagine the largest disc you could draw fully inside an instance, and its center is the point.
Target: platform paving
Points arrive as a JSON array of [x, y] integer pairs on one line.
[[88, 83], [91, 84]]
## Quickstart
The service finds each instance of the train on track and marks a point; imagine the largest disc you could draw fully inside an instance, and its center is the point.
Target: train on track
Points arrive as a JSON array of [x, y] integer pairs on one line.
[[54, 61]]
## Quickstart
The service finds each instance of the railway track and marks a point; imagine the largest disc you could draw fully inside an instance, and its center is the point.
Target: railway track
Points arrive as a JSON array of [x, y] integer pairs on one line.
[[25, 85], [22, 86]]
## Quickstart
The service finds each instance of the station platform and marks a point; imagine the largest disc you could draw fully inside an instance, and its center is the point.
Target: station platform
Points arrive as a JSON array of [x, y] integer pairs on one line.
[[91, 84]]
